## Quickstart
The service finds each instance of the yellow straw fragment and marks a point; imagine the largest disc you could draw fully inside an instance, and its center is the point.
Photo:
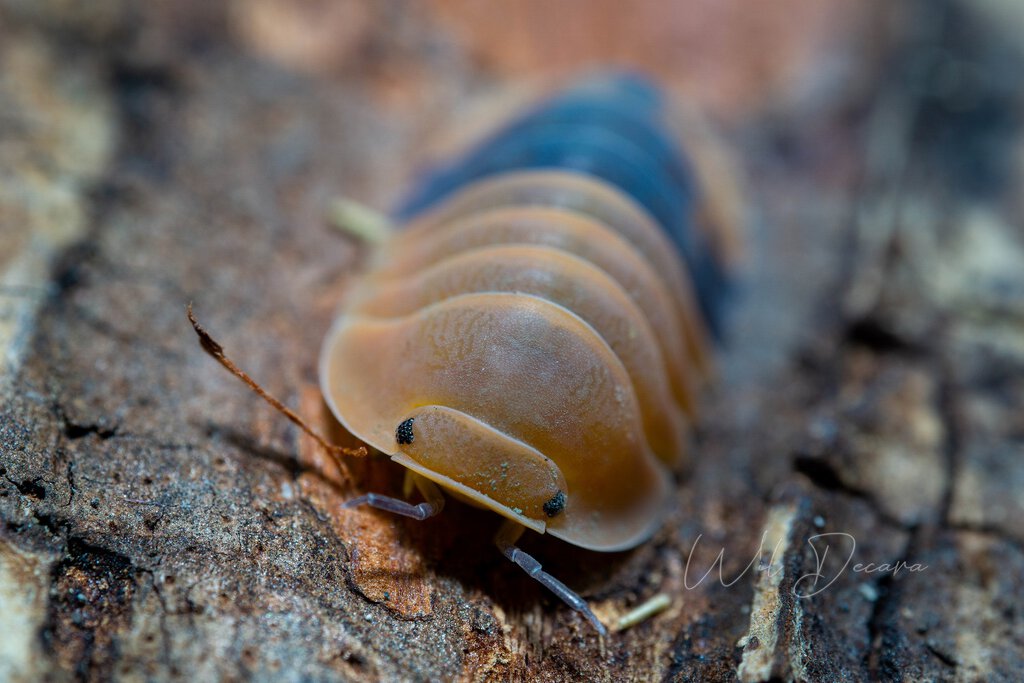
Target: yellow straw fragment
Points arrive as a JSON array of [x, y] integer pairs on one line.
[[643, 612], [360, 221]]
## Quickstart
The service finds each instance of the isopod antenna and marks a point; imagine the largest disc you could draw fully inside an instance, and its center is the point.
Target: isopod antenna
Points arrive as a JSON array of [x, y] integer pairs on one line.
[[216, 350]]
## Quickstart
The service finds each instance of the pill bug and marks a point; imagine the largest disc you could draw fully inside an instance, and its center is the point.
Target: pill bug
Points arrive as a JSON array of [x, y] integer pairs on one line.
[[534, 338]]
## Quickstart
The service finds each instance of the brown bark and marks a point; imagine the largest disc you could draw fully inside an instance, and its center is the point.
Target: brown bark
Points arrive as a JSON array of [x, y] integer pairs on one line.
[[159, 522]]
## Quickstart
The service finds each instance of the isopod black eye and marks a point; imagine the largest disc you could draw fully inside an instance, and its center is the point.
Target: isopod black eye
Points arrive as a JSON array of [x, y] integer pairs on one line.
[[555, 505], [404, 433]]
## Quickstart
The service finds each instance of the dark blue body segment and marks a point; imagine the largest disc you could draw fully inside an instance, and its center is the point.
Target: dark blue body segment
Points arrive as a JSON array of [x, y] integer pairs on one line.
[[609, 127]]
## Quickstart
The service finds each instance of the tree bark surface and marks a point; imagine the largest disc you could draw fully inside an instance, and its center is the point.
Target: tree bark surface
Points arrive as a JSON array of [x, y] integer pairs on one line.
[[158, 522]]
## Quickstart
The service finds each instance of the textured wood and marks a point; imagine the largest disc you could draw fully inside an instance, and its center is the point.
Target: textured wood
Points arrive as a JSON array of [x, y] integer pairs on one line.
[[158, 522]]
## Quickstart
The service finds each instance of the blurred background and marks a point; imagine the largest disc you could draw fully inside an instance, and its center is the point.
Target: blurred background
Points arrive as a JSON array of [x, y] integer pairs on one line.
[[858, 97]]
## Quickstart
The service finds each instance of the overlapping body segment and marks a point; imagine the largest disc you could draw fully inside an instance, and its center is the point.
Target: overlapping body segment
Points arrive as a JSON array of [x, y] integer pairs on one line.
[[678, 335], [616, 128], [583, 196], [575, 234]]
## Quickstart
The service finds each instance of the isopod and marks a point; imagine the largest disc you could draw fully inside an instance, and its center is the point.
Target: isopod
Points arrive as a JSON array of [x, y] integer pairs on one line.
[[535, 339]]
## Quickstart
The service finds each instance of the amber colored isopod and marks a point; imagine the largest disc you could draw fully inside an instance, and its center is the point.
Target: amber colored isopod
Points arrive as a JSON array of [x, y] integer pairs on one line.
[[534, 339]]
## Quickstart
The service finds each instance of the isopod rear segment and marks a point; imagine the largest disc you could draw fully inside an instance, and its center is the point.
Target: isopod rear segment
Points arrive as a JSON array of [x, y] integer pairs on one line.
[[535, 338], [616, 128]]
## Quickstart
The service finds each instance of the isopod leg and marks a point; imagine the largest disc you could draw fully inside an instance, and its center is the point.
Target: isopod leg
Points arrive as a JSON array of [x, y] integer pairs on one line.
[[505, 540], [433, 504]]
